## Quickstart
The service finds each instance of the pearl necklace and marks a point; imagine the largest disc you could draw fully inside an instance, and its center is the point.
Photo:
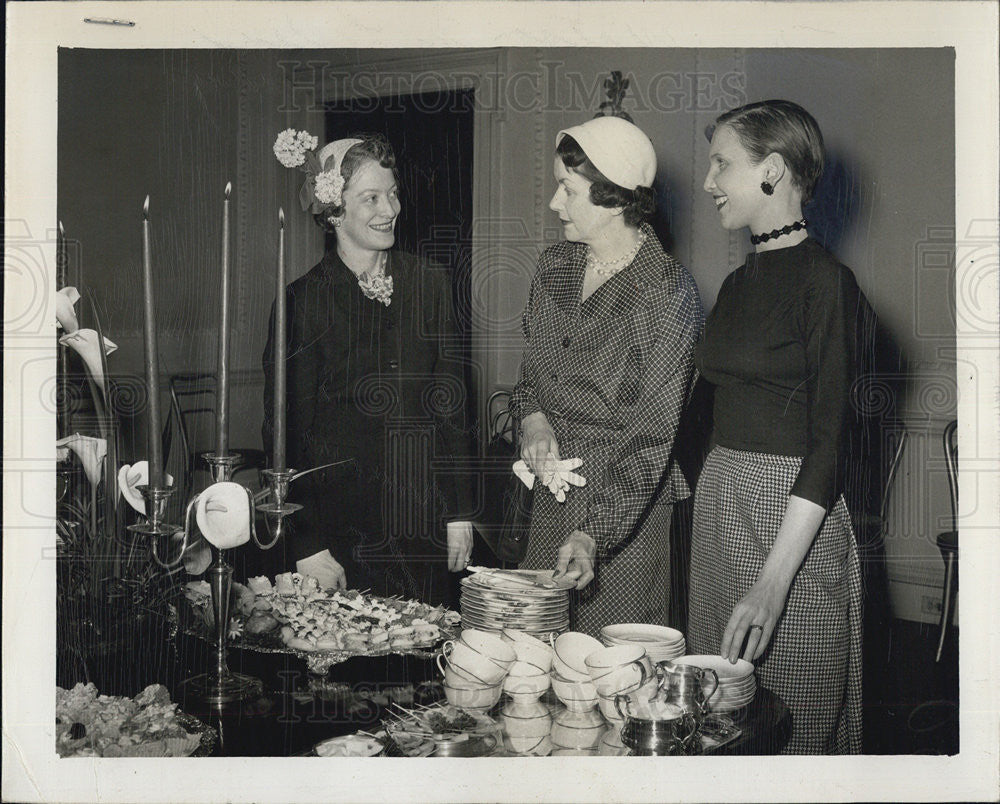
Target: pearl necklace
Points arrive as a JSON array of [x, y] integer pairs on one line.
[[618, 264]]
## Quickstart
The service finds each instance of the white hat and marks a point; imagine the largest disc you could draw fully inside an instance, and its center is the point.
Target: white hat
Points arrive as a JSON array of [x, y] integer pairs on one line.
[[617, 148], [337, 149]]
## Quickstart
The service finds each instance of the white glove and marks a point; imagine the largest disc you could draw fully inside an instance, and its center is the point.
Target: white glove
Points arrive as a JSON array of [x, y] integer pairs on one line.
[[557, 475]]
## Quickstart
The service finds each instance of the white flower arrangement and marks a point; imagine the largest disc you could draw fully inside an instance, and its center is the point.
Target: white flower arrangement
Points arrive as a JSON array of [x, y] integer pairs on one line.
[[291, 146], [329, 187]]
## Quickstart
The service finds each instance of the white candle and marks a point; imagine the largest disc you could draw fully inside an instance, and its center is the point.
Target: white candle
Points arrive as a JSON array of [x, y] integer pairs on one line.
[[222, 371], [280, 318], [153, 443]]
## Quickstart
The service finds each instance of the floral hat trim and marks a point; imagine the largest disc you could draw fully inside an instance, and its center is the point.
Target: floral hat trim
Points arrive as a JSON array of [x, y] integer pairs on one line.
[[324, 184]]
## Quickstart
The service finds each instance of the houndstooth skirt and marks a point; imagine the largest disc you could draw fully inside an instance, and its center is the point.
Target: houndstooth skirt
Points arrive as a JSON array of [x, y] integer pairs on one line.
[[814, 659]]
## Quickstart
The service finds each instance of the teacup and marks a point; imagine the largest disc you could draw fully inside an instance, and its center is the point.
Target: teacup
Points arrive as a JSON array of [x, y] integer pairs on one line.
[[577, 696], [526, 685], [607, 707], [477, 698], [568, 672], [571, 652], [520, 668], [489, 645], [454, 677], [526, 720], [577, 730], [469, 664], [620, 669], [536, 746], [529, 649]]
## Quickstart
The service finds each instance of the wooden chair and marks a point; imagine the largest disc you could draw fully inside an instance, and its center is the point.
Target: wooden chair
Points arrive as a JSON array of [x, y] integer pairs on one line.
[[192, 411], [947, 541]]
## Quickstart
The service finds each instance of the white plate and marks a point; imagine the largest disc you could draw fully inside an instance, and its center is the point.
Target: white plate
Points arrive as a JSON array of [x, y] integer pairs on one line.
[[642, 633], [723, 668], [521, 581]]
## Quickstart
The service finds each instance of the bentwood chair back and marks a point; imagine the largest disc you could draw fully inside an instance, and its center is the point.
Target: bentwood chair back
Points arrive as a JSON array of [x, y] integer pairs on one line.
[[947, 542], [192, 409]]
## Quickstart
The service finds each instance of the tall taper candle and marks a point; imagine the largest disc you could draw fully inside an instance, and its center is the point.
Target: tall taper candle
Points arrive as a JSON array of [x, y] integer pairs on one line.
[[153, 444], [280, 318], [222, 370]]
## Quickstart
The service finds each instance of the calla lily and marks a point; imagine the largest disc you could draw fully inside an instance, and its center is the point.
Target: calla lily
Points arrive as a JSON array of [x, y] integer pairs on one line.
[[91, 452], [197, 557], [84, 342], [65, 314], [223, 515], [130, 477]]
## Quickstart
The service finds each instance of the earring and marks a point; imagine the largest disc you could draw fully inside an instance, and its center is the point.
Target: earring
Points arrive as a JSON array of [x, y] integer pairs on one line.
[[767, 188]]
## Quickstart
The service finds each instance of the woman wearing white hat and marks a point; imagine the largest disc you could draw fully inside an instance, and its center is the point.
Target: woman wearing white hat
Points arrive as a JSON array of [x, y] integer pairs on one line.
[[610, 328], [368, 379]]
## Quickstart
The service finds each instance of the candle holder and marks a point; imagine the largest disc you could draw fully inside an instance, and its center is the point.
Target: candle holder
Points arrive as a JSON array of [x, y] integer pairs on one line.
[[220, 685], [154, 527], [278, 508], [222, 466]]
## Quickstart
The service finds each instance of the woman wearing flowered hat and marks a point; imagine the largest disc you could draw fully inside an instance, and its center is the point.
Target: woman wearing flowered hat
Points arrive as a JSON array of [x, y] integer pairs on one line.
[[610, 328], [368, 379]]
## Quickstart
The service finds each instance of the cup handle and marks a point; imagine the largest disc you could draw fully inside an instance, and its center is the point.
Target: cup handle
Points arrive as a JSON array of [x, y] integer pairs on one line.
[[707, 696], [643, 676], [618, 706], [440, 660]]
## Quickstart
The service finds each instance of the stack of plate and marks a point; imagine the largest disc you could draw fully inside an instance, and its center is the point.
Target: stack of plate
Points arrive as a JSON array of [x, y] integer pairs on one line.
[[737, 683], [661, 643], [525, 600]]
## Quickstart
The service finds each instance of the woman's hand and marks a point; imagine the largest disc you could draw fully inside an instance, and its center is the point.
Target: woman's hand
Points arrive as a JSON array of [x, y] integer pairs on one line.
[[538, 445], [757, 614], [575, 559], [459, 545], [754, 618], [325, 569]]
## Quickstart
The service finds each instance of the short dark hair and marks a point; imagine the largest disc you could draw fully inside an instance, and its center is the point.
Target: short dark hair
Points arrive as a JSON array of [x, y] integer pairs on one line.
[[372, 148], [639, 204], [781, 127]]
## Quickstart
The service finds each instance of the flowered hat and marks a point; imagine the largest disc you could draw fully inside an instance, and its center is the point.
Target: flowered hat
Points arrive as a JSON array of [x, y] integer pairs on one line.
[[324, 184]]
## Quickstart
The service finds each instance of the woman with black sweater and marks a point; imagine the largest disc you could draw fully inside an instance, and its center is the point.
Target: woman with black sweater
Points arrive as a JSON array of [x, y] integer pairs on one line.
[[774, 569]]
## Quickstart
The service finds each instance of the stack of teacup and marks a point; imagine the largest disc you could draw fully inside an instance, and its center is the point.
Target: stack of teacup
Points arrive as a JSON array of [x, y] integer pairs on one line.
[[621, 670], [525, 719], [579, 727], [571, 681], [474, 667]]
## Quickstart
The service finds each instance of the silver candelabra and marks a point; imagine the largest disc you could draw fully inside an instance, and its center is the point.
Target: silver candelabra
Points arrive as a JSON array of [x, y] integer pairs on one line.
[[220, 685]]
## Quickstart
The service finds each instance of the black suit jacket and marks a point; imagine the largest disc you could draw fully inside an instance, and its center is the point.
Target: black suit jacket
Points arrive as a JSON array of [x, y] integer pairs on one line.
[[382, 385]]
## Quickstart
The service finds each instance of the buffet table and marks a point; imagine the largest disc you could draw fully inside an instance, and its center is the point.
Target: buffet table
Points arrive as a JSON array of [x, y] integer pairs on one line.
[[296, 711]]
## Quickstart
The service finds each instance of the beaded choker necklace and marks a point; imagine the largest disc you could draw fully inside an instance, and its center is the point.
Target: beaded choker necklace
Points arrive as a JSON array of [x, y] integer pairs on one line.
[[618, 264], [784, 230]]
